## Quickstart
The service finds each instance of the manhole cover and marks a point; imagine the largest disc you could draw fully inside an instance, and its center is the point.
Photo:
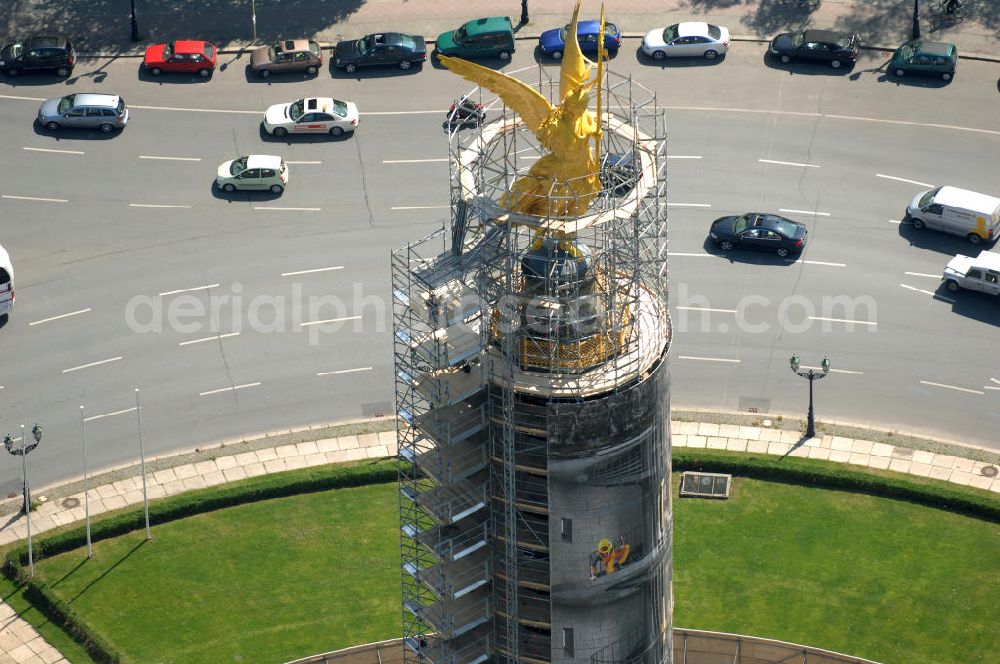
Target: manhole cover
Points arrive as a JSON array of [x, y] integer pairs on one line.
[[989, 471], [70, 503]]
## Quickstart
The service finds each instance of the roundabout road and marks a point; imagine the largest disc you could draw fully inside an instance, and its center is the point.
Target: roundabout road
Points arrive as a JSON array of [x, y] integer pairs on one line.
[[283, 303]]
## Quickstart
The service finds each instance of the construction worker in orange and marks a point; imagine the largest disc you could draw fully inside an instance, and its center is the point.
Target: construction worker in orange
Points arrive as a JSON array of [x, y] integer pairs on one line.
[[608, 558]]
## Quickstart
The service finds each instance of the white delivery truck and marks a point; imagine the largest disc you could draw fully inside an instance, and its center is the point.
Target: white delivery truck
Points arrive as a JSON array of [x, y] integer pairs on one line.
[[6, 285], [961, 212]]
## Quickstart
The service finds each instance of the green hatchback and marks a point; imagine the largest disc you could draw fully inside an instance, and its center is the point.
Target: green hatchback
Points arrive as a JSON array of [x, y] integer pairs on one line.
[[925, 57], [491, 37]]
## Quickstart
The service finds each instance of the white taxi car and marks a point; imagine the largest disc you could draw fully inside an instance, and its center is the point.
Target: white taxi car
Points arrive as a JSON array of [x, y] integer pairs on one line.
[[313, 115], [256, 172]]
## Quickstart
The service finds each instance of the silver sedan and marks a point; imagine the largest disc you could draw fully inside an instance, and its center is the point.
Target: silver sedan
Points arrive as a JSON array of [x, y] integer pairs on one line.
[[691, 39]]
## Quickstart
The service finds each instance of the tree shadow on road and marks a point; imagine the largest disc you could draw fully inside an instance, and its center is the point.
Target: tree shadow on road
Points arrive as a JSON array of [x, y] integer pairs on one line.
[[771, 18]]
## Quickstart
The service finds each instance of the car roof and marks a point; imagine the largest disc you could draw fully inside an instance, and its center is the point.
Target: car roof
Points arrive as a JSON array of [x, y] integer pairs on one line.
[[969, 200], [988, 259], [935, 48], [391, 38], [294, 44], [263, 161], [830, 36], [692, 29], [324, 104], [489, 24], [46, 41], [94, 99], [189, 46]]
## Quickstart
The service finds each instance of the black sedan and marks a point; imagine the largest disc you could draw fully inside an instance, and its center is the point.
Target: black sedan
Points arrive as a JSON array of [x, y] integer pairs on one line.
[[387, 48], [758, 230], [836, 48]]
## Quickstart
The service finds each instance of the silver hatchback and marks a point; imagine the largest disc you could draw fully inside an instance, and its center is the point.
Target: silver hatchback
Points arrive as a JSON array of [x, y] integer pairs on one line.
[[84, 110]]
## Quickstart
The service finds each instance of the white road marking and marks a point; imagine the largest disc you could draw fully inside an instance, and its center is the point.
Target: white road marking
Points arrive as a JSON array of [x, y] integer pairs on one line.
[[188, 290], [329, 320], [117, 412], [51, 150], [698, 205], [985, 387], [146, 156], [47, 320], [952, 387], [995, 381], [840, 371], [683, 156], [895, 221], [419, 207], [342, 371], [212, 338], [893, 177], [443, 110], [721, 311], [813, 212], [287, 209], [823, 263], [844, 320], [303, 162], [678, 253], [35, 198], [150, 205], [22, 98], [194, 110], [413, 161], [931, 293], [923, 274], [93, 364], [228, 389], [319, 269], [787, 163], [707, 359]]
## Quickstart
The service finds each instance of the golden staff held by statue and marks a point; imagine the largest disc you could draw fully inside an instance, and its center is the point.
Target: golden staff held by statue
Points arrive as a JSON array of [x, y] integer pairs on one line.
[[563, 182]]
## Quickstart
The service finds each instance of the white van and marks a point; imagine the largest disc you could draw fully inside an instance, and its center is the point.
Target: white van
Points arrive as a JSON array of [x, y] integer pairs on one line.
[[973, 216], [6, 284]]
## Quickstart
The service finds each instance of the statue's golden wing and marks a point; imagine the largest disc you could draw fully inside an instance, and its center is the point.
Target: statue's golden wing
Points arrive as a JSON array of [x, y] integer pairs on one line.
[[524, 99], [575, 70]]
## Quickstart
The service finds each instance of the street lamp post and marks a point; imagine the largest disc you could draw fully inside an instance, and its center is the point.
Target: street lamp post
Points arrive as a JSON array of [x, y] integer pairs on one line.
[[916, 19], [524, 12], [810, 375], [135, 24], [8, 442]]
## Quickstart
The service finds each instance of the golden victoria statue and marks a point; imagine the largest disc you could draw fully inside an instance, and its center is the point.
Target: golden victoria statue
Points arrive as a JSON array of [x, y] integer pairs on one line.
[[562, 183]]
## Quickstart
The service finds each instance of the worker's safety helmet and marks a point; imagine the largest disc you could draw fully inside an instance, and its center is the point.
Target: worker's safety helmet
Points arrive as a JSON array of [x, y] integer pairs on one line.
[[604, 546]]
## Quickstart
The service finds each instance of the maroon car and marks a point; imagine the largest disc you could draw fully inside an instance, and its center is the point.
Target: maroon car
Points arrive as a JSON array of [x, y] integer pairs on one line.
[[288, 55]]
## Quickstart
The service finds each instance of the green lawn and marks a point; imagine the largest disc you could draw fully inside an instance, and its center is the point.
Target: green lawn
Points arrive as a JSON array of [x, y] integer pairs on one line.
[[271, 581]]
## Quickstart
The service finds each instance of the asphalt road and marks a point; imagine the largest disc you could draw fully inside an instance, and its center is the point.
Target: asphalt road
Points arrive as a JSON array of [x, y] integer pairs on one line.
[[129, 228]]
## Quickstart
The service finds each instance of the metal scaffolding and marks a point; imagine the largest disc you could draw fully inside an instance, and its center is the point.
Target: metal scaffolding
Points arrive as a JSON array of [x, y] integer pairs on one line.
[[494, 318]]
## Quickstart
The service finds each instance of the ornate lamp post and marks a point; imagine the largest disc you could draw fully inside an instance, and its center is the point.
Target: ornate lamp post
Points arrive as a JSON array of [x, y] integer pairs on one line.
[[916, 19], [135, 25], [8, 443], [810, 375], [524, 12]]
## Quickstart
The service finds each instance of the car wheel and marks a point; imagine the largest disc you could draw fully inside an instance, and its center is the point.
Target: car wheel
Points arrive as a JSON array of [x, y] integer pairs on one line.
[[280, 132], [726, 245], [350, 69], [659, 55], [711, 55], [52, 126], [946, 76], [405, 64], [782, 252], [155, 71], [917, 223], [311, 70], [336, 131], [107, 127], [974, 238], [952, 285], [204, 73], [504, 55], [557, 55], [835, 64], [276, 189], [785, 59], [62, 71], [900, 73], [229, 187], [264, 73]]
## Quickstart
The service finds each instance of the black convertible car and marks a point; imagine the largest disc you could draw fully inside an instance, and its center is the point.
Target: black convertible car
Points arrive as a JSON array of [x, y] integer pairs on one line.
[[387, 48], [835, 48], [759, 230]]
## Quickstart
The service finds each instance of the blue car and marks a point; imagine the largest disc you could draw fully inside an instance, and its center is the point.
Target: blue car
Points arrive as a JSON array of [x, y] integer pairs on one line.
[[553, 42]]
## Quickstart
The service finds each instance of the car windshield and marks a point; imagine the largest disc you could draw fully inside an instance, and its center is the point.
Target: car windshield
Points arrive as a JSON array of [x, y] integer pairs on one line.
[[13, 50], [238, 166], [907, 50], [669, 34], [798, 38], [926, 199], [741, 223], [121, 106], [459, 35], [314, 47], [66, 103], [340, 108], [362, 46], [209, 51], [168, 50], [714, 32], [295, 109]]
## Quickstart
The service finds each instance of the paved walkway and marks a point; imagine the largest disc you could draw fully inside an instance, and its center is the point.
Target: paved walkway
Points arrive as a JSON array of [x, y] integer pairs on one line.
[[20, 644], [103, 27]]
